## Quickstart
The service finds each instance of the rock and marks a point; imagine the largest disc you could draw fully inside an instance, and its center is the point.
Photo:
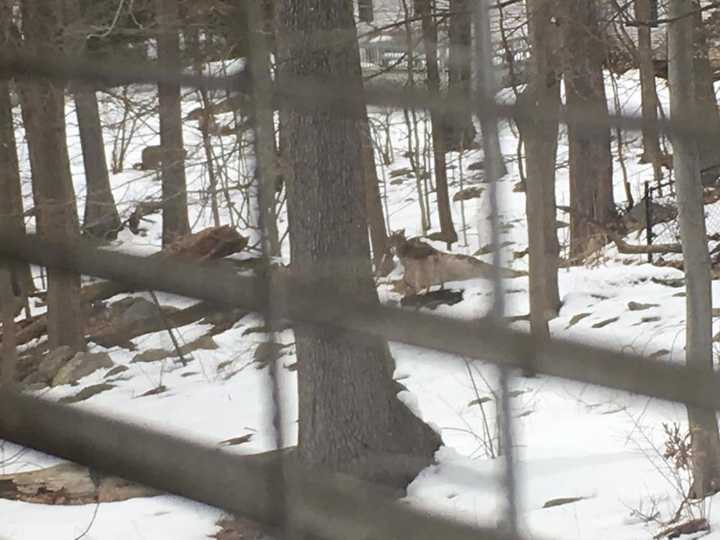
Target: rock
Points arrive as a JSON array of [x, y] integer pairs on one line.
[[68, 484], [51, 364], [637, 306], [466, 194], [160, 389], [140, 310], [401, 172], [576, 319], [224, 317], [203, 342], [116, 309], [87, 393], [81, 365], [562, 501], [478, 165], [117, 370], [603, 324], [519, 187], [669, 282], [156, 355], [150, 355], [267, 352]]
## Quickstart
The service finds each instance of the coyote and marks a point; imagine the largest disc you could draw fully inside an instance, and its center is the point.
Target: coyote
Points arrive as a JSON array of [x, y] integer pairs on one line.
[[426, 266]]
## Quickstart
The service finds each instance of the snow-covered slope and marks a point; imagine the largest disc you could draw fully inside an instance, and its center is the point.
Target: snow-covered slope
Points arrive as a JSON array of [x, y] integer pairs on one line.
[[604, 448]]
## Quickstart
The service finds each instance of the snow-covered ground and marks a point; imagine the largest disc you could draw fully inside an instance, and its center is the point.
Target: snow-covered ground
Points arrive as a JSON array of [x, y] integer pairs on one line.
[[603, 447]]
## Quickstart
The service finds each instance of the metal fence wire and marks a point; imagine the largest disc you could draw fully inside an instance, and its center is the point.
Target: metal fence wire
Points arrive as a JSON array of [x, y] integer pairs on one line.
[[658, 217], [317, 502]]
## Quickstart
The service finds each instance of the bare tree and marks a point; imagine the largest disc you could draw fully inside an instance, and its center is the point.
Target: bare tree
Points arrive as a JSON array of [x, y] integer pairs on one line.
[[175, 213], [648, 90], [11, 204], [459, 129], [43, 108], [101, 218], [707, 113], [684, 106], [541, 99], [376, 217], [349, 415], [430, 37], [591, 178]]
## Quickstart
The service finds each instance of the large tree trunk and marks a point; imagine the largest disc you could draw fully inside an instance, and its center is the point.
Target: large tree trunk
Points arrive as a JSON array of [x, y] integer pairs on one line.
[[423, 8], [101, 219], [175, 213], [541, 99], [43, 106], [11, 204], [591, 186], [648, 91], [459, 129], [348, 409], [707, 113], [685, 107]]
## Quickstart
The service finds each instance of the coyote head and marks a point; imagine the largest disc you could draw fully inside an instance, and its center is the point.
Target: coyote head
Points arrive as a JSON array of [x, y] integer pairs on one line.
[[397, 239]]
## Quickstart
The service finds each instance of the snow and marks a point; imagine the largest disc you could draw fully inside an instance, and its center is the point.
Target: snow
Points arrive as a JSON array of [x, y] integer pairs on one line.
[[572, 440]]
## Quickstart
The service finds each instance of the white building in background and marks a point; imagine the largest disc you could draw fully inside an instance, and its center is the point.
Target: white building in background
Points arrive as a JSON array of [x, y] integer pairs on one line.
[[385, 39]]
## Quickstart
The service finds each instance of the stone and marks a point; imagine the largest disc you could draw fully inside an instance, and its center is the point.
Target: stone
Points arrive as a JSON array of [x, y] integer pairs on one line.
[[140, 310], [401, 172], [466, 194], [603, 324], [81, 365], [203, 342], [150, 355], [117, 370], [476, 166], [87, 393], [576, 319], [51, 364], [638, 306], [267, 352]]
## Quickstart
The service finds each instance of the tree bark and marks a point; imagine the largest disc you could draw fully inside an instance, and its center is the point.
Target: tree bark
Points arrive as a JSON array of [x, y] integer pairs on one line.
[[8, 366], [348, 409], [43, 107], [101, 219], [648, 91], [423, 8], [591, 179], [685, 107], [11, 203], [376, 216], [459, 128], [174, 189], [542, 96], [707, 112]]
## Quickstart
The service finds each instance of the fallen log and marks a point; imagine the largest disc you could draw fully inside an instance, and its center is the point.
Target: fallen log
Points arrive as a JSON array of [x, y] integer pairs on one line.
[[210, 243], [635, 249], [122, 334], [69, 484]]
